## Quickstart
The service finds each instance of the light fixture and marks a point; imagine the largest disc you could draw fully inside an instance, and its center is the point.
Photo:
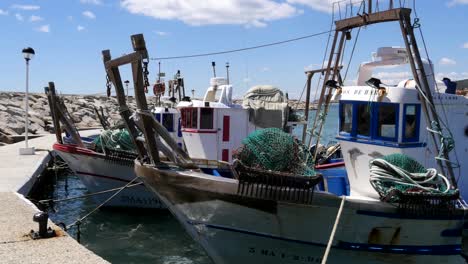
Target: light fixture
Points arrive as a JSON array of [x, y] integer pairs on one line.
[[28, 53], [332, 84], [374, 83]]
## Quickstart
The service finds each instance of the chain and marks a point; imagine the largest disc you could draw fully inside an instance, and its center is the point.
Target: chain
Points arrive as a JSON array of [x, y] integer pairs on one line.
[[108, 85], [416, 23], [145, 74]]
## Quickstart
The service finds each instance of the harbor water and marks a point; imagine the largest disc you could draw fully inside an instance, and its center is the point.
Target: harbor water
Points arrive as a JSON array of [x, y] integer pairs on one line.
[[136, 236]]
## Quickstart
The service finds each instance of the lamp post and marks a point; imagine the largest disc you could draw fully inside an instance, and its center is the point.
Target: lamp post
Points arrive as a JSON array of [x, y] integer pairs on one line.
[[126, 84], [28, 54]]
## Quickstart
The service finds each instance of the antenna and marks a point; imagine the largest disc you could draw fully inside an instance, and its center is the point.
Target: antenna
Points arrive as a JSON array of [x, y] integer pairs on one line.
[[159, 71], [227, 72], [213, 64]]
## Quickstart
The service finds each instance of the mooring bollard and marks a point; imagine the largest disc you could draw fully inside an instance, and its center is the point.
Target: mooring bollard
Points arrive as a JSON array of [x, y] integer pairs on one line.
[[44, 231]]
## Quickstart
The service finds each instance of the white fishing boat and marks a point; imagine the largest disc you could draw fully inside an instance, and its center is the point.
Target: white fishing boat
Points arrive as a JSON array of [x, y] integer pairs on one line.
[[214, 127], [264, 216]]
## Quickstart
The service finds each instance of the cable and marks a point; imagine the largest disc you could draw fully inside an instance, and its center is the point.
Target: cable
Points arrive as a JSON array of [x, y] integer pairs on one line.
[[242, 49]]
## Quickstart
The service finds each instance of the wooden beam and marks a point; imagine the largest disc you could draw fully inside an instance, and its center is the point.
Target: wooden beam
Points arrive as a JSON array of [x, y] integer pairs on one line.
[[124, 111], [373, 18], [53, 114], [138, 43]]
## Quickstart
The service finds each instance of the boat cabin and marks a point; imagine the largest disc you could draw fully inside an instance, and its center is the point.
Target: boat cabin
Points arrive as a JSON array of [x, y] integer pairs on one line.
[[214, 127], [375, 121]]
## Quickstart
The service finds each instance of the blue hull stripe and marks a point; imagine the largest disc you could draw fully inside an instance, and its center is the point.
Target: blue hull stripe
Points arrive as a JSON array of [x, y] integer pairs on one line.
[[393, 215], [382, 143], [400, 249]]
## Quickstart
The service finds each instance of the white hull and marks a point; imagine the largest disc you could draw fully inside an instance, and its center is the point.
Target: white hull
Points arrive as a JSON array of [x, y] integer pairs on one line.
[[236, 229], [99, 174]]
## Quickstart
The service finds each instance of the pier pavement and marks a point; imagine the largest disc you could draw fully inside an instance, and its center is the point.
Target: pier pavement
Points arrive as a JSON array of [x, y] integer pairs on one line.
[[18, 174]]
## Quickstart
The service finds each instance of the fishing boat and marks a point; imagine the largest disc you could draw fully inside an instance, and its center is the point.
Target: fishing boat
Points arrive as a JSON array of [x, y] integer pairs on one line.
[[260, 215]]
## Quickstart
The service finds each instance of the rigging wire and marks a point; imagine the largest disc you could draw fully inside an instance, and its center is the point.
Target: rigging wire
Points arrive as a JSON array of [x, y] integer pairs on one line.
[[457, 163], [243, 49]]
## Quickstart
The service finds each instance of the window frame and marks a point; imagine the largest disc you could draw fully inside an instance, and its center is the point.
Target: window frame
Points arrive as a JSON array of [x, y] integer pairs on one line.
[[417, 125], [377, 124], [212, 118]]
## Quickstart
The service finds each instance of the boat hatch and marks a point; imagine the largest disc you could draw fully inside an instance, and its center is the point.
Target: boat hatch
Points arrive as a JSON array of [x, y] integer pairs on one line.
[[379, 121]]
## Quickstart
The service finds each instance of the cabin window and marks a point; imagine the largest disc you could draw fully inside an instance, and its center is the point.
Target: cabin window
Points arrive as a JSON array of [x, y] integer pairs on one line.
[[387, 121], [411, 122], [206, 118], [363, 119], [168, 122], [346, 121], [194, 118]]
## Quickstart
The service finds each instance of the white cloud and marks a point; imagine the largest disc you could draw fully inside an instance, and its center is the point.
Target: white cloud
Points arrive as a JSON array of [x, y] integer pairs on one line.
[[452, 75], [457, 2], [161, 33], [80, 28], [34, 18], [465, 45], [393, 78], [89, 14], [265, 69], [44, 28], [26, 7], [93, 2], [19, 17], [447, 61], [3, 12], [319, 5], [254, 13]]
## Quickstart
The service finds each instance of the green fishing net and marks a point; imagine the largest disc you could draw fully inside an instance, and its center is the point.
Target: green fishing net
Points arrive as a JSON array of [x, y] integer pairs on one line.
[[115, 139], [272, 149], [405, 162]]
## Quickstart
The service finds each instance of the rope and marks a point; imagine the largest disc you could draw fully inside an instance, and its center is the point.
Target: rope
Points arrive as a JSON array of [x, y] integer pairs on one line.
[[78, 222], [332, 235], [85, 196], [383, 172], [242, 49]]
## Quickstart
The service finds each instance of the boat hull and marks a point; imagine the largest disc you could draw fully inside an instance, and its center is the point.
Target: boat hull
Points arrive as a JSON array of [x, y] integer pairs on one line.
[[99, 173], [234, 229]]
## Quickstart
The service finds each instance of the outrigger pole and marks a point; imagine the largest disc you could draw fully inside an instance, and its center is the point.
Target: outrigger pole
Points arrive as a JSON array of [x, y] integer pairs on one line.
[[149, 125], [59, 114], [403, 16], [112, 69]]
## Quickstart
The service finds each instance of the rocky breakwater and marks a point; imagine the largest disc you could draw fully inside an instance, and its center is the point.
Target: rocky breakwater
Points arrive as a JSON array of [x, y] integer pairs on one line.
[[80, 107]]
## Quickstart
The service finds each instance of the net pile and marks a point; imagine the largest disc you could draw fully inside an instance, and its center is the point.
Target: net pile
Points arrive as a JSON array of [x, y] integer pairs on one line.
[[274, 150], [115, 139], [400, 174]]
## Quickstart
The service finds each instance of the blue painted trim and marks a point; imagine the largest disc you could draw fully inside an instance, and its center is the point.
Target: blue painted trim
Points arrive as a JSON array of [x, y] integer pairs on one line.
[[394, 215], [382, 143], [414, 250], [418, 124], [402, 249], [179, 128]]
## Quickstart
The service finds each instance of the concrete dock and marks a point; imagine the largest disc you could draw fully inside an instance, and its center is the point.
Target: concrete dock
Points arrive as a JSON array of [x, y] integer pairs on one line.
[[17, 176]]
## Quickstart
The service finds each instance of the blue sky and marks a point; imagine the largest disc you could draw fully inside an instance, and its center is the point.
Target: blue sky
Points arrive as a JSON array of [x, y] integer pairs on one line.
[[68, 36]]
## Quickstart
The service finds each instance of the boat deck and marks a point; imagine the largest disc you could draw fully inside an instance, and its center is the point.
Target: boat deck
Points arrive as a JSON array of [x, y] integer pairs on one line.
[[17, 176]]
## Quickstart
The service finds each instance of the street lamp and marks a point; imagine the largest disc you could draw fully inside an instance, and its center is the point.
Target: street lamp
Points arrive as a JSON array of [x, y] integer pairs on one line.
[[126, 84], [28, 54]]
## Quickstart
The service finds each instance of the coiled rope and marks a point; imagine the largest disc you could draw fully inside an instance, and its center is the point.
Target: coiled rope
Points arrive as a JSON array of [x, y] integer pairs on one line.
[[386, 176]]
